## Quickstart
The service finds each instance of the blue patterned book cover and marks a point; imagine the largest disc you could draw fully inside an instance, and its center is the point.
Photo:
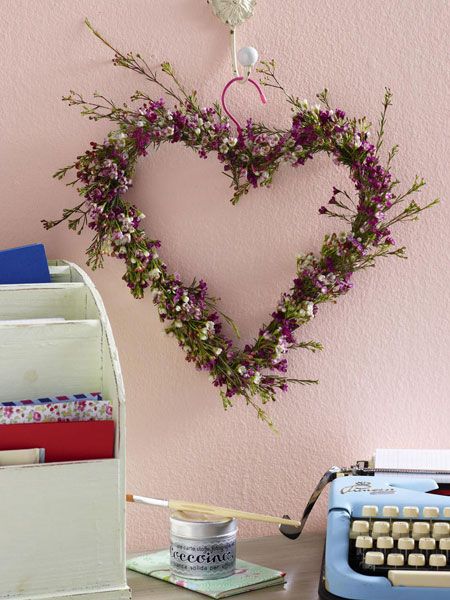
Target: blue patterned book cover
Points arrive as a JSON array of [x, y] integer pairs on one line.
[[247, 576]]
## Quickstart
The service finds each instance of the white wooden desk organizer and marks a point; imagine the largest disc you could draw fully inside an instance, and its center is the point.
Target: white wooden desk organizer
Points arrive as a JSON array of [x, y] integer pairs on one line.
[[62, 525]]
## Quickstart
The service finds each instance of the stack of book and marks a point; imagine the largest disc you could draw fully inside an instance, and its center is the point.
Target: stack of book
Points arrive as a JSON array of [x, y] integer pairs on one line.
[[62, 428], [57, 428]]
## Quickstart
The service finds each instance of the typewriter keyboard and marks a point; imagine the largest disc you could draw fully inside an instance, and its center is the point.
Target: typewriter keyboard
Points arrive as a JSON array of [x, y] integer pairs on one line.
[[408, 545]]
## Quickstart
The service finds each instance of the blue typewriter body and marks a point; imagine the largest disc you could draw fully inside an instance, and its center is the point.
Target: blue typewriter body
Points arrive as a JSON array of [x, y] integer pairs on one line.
[[364, 559]]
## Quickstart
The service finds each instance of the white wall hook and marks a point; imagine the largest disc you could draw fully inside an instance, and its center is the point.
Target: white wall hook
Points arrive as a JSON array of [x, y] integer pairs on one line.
[[233, 13]]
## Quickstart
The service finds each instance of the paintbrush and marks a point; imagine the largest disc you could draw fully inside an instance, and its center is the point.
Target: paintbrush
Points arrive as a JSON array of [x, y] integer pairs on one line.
[[211, 510]]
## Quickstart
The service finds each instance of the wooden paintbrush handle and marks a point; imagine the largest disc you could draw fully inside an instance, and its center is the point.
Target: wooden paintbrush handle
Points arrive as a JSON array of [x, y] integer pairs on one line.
[[208, 509], [229, 512]]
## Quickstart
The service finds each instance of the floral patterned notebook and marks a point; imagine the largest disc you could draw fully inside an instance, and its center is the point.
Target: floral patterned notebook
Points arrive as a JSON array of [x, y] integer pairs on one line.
[[78, 407], [247, 576]]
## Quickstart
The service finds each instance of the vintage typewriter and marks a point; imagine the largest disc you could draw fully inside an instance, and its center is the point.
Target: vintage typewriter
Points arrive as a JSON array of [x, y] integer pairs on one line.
[[388, 534]]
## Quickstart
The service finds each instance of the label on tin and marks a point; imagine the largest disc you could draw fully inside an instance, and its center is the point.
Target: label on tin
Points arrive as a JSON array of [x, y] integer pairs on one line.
[[202, 560]]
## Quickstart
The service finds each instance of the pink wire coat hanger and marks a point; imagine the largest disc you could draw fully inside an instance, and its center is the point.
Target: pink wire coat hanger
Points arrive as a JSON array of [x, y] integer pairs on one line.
[[225, 89]]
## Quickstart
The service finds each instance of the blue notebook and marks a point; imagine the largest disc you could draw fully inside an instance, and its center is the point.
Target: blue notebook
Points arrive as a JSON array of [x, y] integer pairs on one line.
[[27, 264]]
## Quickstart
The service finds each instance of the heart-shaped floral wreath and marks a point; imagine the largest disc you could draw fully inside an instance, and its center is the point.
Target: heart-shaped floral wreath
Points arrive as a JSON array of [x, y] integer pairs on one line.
[[104, 174]]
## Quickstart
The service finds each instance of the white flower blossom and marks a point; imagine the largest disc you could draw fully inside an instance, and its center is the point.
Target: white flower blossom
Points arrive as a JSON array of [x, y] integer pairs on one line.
[[209, 325], [107, 247], [122, 239]]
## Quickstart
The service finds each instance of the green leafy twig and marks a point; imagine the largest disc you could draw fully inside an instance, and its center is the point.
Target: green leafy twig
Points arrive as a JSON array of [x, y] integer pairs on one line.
[[381, 125]]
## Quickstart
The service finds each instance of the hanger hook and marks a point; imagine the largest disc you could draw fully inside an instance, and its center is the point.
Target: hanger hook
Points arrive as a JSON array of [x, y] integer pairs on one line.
[[225, 89]]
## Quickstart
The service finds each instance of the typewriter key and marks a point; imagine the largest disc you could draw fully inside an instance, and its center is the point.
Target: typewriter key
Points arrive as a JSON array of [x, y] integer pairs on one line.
[[400, 529], [406, 544], [416, 560], [374, 559], [395, 560], [437, 560], [441, 530]]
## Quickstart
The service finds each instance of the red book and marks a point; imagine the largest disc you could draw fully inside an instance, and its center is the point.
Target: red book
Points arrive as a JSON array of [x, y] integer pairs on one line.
[[79, 440]]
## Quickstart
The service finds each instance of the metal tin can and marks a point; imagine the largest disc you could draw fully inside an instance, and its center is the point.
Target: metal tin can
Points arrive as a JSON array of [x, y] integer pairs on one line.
[[202, 546]]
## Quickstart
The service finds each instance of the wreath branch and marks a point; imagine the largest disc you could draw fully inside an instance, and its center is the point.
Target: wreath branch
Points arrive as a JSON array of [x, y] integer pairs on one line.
[[139, 65], [387, 102]]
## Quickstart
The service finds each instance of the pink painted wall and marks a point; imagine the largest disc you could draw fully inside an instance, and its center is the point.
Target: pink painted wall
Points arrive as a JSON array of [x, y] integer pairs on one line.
[[384, 370]]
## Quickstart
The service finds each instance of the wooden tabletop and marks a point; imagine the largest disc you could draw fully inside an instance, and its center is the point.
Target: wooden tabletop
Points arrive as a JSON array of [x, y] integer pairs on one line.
[[301, 559]]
